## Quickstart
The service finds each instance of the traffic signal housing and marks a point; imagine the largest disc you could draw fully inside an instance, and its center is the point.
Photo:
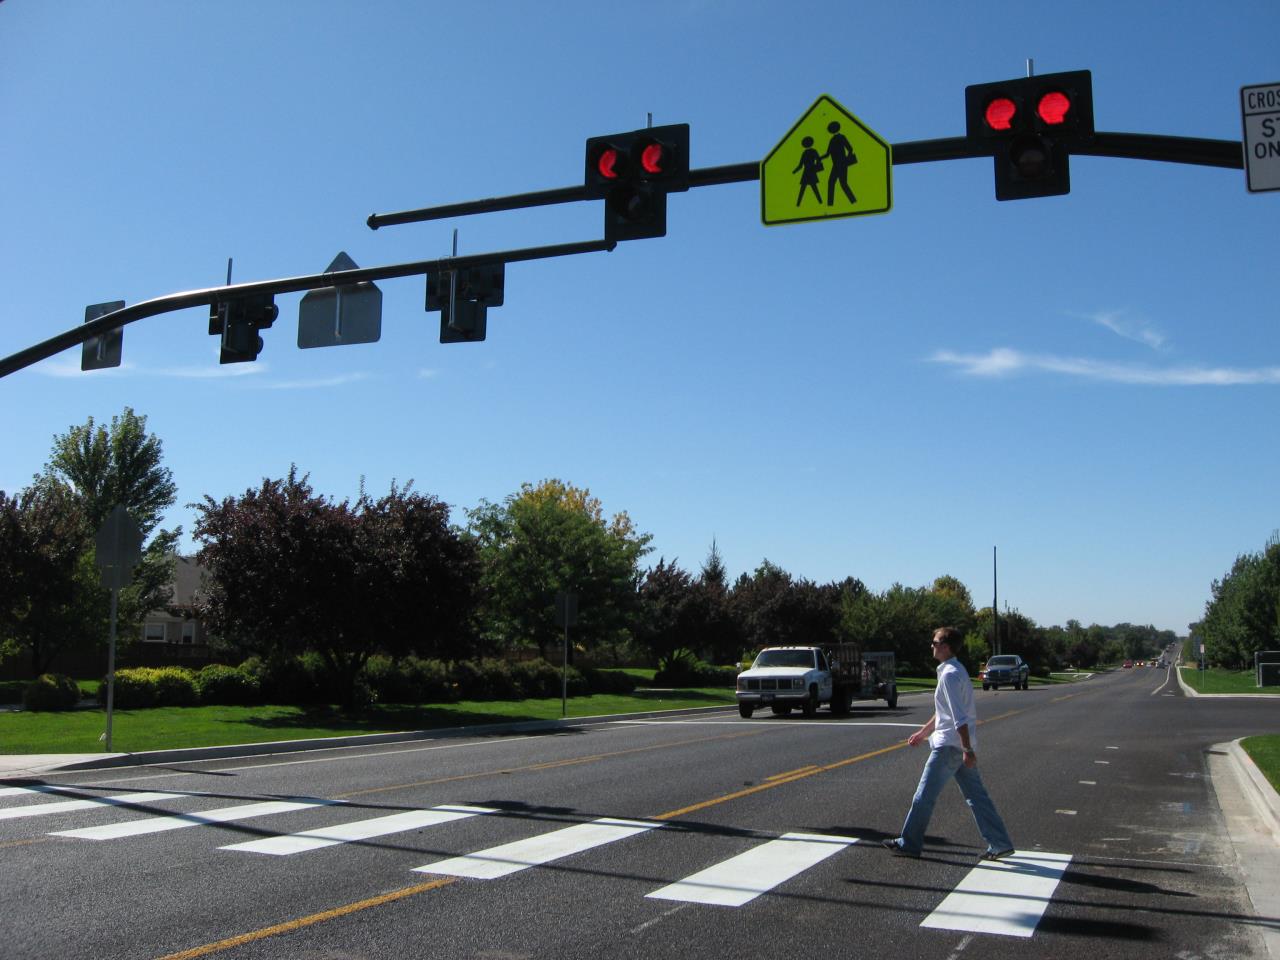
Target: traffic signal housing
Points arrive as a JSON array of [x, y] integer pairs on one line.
[[1030, 126], [463, 297], [239, 323], [633, 172]]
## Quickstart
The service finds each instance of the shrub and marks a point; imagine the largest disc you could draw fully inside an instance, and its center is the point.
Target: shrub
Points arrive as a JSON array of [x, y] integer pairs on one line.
[[218, 683], [683, 669], [486, 679], [609, 681], [51, 691], [175, 687], [138, 687], [538, 678]]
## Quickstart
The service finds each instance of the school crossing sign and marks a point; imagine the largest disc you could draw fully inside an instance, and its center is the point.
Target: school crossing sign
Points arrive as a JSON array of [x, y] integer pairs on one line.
[[830, 164]]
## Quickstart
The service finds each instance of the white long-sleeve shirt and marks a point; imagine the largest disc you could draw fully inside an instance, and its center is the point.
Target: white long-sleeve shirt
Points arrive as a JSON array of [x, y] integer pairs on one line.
[[953, 707]]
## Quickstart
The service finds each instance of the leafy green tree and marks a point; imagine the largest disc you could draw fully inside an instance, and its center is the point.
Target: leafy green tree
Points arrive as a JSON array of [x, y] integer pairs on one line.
[[1243, 613], [776, 609], [122, 464], [550, 538]]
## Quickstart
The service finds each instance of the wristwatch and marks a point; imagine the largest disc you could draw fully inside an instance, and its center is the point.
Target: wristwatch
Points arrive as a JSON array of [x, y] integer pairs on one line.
[[969, 752]]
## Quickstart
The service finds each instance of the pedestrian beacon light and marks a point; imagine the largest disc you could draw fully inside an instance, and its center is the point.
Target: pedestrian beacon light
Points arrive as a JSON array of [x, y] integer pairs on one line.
[[1030, 126], [239, 323], [633, 173], [463, 298]]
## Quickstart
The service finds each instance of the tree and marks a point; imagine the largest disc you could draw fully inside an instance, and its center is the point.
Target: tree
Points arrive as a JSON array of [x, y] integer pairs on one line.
[[102, 467], [50, 600], [289, 570], [719, 633], [669, 611], [550, 538]]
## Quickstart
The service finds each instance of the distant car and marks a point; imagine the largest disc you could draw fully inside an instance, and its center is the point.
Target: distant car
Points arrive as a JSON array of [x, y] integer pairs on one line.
[[1008, 670], [1128, 664]]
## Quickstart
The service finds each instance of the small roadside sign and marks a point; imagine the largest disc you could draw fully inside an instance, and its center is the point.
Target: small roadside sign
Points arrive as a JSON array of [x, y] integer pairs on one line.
[[830, 164], [119, 548], [337, 316], [1260, 115]]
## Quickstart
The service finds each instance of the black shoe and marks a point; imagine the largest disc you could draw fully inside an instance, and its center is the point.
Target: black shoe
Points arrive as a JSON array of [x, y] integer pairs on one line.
[[998, 854], [893, 846]]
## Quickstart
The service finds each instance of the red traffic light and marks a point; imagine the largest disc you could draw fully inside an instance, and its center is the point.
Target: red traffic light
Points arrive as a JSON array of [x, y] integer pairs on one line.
[[1054, 107], [1000, 113], [607, 163], [652, 157]]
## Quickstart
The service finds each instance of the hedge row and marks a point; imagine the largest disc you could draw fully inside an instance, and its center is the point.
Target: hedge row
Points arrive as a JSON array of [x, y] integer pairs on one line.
[[307, 680], [51, 691]]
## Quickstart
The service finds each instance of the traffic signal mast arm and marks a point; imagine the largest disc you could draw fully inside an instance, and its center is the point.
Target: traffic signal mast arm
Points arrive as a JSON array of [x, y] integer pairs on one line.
[[1132, 146], [226, 294]]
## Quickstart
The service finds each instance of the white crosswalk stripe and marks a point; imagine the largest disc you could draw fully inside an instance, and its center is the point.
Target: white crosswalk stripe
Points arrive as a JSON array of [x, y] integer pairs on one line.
[[287, 844], [88, 803], [536, 851], [243, 811], [741, 879], [1006, 897]]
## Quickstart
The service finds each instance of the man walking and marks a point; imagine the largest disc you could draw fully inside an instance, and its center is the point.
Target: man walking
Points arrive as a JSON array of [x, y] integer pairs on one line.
[[952, 733]]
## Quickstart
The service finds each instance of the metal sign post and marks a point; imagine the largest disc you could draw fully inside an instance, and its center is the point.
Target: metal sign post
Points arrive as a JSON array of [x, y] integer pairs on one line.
[[566, 615]]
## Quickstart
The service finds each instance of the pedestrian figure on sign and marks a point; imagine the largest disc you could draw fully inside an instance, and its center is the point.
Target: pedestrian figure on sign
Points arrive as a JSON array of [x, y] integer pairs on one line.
[[952, 735], [811, 164], [840, 153]]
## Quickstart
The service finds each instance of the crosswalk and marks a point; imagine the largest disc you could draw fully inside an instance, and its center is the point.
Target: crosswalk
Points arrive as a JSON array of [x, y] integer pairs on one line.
[[1007, 898]]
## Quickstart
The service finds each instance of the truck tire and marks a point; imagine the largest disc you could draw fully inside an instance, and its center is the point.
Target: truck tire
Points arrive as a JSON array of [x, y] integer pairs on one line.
[[1026, 683], [745, 710], [810, 705], [986, 686], [893, 697]]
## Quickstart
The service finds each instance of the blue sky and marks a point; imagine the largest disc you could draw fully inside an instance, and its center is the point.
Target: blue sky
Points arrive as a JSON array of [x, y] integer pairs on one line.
[[1088, 382]]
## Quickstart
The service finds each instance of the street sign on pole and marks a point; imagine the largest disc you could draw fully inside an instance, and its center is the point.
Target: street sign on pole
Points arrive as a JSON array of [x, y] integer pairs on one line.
[[1260, 114], [830, 164], [104, 350], [337, 316], [119, 548]]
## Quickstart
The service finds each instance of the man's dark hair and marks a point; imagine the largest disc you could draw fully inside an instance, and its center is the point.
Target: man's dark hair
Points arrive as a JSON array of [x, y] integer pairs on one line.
[[948, 635]]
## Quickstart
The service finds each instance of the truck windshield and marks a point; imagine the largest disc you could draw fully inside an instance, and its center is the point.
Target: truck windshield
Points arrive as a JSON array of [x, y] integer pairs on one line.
[[1002, 662], [785, 658]]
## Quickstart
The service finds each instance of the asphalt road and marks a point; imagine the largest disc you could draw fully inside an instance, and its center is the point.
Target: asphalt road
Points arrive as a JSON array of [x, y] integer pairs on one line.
[[427, 849]]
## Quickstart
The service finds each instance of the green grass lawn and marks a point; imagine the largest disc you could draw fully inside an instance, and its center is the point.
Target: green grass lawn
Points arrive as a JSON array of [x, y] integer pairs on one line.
[[1224, 681], [164, 728], [1265, 752]]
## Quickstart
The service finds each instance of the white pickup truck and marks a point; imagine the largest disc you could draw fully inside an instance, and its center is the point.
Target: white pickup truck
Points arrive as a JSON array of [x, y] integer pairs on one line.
[[783, 678]]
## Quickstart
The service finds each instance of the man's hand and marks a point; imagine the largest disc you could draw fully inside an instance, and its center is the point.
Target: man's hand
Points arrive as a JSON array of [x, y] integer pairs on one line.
[[917, 738]]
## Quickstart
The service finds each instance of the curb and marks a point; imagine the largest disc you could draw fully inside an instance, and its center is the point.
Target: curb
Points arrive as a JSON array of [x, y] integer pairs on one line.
[[235, 751], [1259, 788]]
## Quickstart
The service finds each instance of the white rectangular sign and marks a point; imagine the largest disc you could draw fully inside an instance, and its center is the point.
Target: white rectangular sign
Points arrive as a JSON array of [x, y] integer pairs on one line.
[[1260, 112]]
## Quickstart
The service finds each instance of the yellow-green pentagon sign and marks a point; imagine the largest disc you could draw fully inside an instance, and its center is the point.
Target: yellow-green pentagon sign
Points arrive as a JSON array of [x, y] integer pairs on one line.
[[830, 164]]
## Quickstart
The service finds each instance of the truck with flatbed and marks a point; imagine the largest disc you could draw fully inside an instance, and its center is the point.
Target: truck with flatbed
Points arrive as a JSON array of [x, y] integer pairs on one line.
[[786, 678]]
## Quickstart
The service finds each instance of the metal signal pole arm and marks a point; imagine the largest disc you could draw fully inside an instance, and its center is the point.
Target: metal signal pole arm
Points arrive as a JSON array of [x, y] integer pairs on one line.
[[211, 295]]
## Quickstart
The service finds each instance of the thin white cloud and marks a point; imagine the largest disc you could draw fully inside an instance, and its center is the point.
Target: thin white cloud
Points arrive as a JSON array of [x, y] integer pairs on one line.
[[1122, 324], [317, 383], [1003, 362], [428, 374]]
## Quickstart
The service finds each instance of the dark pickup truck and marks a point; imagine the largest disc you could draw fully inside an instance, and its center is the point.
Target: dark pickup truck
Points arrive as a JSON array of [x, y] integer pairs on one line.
[[1006, 670]]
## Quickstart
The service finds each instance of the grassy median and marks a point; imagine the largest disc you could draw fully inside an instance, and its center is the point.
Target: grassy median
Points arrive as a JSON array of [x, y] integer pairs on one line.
[[166, 728], [1216, 680]]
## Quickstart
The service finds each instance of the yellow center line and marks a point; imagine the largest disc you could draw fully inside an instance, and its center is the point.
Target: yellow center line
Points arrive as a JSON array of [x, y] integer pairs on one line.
[[789, 773], [545, 765], [291, 925]]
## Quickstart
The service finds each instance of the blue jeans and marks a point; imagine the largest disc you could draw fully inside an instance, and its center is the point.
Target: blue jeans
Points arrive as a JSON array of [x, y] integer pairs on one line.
[[943, 764]]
